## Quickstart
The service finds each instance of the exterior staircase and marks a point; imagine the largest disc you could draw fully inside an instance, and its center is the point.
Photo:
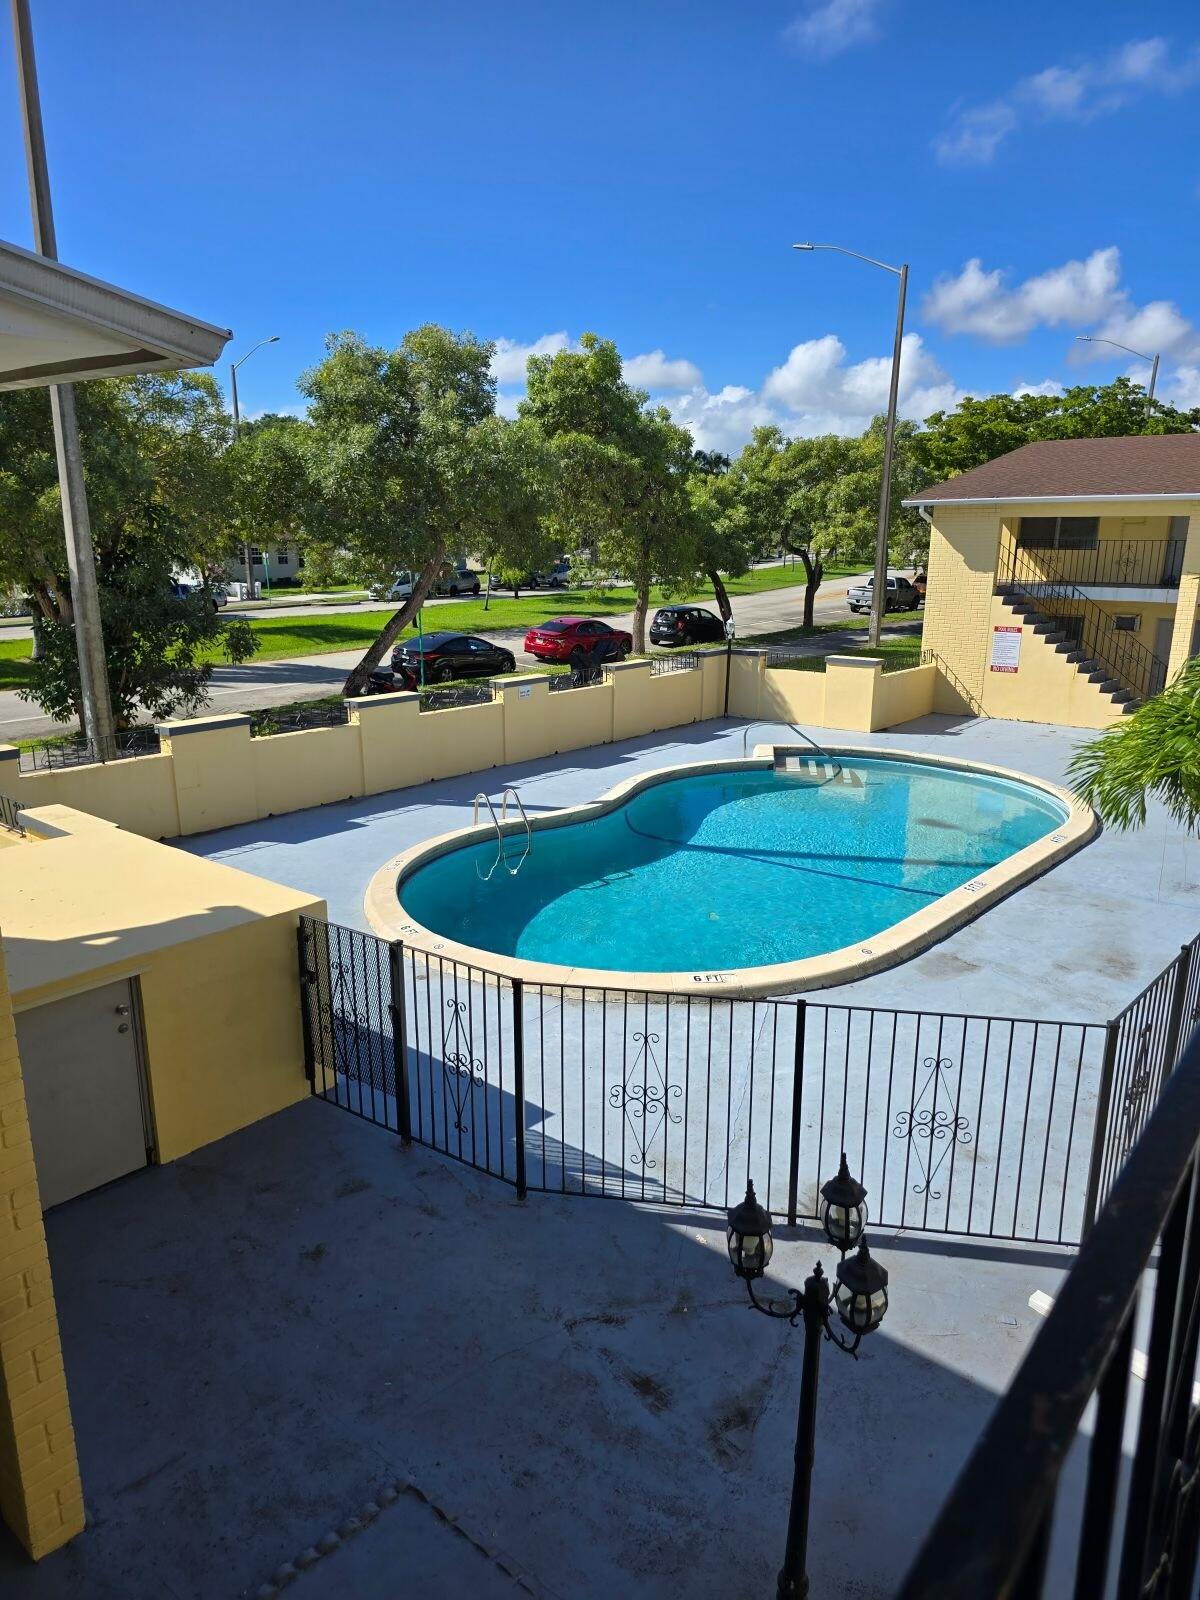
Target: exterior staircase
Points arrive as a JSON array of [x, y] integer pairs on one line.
[[1072, 624], [1107, 680]]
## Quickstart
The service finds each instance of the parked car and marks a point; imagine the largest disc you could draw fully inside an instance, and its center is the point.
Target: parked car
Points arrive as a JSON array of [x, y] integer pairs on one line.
[[449, 655], [578, 639], [400, 588], [457, 580], [676, 625], [216, 597], [901, 595]]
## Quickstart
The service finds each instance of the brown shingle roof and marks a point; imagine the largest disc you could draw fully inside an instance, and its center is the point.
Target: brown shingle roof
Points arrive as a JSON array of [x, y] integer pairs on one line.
[[1055, 469]]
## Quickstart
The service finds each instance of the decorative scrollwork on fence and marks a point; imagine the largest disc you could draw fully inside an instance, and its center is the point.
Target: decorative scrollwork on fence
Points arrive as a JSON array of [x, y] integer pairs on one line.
[[645, 1095], [349, 1025], [1172, 1556], [932, 1122], [1136, 1091], [461, 1069]]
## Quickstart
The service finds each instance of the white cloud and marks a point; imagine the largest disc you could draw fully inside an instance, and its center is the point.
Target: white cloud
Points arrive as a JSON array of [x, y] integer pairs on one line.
[[1077, 294], [815, 390], [1181, 388], [825, 30], [656, 370], [508, 362], [1048, 386], [1071, 94]]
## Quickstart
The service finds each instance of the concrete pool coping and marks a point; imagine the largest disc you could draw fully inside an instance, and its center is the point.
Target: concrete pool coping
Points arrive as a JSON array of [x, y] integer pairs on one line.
[[892, 945]]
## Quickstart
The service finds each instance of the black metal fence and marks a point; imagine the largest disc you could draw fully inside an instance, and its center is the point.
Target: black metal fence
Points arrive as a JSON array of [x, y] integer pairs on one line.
[[979, 1126], [297, 719], [1143, 1044], [1040, 1507], [9, 810], [677, 661], [51, 754], [448, 696]]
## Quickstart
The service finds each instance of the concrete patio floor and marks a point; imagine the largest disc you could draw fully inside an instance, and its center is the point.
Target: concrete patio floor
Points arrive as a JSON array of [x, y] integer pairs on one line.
[[264, 1336], [1077, 944]]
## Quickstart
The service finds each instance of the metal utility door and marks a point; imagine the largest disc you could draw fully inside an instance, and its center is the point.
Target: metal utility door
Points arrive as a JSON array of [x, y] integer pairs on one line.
[[83, 1084]]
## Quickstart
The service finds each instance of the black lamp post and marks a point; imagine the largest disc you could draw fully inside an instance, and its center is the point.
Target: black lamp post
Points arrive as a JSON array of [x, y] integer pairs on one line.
[[860, 1298]]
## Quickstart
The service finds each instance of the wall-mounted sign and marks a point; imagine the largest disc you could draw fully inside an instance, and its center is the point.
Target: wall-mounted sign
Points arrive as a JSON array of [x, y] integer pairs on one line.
[[524, 691], [1006, 649]]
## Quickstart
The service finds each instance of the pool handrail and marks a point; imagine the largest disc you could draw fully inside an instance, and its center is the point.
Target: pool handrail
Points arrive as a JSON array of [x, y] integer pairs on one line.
[[498, 824], [776, 722]]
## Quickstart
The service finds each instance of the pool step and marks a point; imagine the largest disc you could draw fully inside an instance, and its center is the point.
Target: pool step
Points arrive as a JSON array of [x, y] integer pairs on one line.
[[816, 769]]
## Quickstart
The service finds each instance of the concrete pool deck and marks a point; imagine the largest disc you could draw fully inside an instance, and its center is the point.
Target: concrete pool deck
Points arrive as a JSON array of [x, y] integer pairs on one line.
[[1077, 943]]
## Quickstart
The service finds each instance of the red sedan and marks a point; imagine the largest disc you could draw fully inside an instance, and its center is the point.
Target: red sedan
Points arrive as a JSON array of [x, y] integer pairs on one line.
[[578, 640]]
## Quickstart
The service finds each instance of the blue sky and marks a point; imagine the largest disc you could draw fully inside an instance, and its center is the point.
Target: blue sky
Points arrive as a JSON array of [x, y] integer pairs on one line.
[[531, 171]]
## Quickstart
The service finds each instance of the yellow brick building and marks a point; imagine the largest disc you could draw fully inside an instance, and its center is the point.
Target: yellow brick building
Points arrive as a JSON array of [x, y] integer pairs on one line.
[[1064, 577]]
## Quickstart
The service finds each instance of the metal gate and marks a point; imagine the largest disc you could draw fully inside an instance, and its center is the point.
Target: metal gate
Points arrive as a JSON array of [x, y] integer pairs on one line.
[[979, 1126]]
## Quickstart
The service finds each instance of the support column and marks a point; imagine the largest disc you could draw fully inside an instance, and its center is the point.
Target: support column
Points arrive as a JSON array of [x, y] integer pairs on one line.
[[41, 1498], [1189, 598]]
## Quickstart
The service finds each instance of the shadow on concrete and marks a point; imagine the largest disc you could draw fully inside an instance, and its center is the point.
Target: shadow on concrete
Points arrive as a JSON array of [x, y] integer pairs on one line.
[[262, 1334]]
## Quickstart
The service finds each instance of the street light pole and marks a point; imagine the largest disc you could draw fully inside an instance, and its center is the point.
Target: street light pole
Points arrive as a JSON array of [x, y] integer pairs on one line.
[[879, 584], [1089, 338], [237, 428], [94, 693]]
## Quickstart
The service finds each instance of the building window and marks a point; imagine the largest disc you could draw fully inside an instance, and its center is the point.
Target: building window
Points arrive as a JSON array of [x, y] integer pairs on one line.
[[1127, 622], [282, 559], [1058, 533]]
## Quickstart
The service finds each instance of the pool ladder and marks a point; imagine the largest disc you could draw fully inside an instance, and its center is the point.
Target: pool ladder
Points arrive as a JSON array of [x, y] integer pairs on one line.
[[511, 865]]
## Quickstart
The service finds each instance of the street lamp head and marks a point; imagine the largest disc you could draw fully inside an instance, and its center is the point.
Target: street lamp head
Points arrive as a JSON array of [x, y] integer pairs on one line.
[[843, 1215], [861, 1291], [271, 339], [748, 1237], [804, 247]]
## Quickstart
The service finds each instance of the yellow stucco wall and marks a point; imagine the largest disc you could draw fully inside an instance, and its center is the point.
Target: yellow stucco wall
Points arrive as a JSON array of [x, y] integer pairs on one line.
[[213, 951], [41, 1499], [853, 693], [961, 609]]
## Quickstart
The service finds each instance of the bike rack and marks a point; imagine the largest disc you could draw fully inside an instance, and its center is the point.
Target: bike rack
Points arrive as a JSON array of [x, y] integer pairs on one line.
[[498, 823]]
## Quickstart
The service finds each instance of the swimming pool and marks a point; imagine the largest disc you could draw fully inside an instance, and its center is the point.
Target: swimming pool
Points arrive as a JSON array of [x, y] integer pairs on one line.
[[706, 872]]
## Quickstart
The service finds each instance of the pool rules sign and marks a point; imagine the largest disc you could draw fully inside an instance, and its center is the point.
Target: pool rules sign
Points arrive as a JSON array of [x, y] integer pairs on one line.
[[1006, 649]]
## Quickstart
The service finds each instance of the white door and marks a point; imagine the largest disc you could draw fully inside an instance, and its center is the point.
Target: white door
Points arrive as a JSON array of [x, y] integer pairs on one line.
[[80, 1058]]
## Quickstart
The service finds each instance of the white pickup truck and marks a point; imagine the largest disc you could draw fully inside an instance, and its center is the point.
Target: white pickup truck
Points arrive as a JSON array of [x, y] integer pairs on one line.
[[901, 595]]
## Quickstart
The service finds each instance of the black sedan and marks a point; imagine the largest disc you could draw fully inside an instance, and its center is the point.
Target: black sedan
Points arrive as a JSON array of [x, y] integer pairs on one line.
[[450, 655], [686, 625]]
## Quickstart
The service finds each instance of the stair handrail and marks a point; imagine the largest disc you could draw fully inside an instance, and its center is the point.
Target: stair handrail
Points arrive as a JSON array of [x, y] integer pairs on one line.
[[1134, 667], [776, 722]]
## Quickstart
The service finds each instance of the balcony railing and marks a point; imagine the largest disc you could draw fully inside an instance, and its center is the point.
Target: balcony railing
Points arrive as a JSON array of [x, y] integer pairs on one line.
[[1111, 563], [1129, 1527]]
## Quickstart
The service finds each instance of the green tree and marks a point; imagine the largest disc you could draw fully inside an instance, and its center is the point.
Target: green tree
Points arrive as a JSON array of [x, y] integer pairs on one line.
[[725, 545], [980, 430], [154, 451], [1155, 752], [410, 459], [620, 472], [271, 498]]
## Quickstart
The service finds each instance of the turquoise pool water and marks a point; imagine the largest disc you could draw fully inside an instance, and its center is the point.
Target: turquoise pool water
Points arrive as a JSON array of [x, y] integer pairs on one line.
[[733, 869]]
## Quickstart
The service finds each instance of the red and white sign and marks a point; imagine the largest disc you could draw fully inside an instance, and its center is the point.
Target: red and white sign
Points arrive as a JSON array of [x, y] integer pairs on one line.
[[1006, 649]]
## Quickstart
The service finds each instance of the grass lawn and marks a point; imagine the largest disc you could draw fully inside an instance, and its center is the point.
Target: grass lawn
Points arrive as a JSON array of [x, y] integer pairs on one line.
[[16, 669], [895, 653]]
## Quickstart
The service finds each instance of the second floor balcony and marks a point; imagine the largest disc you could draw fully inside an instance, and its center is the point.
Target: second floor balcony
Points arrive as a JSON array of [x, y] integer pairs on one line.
[[1100, 564]]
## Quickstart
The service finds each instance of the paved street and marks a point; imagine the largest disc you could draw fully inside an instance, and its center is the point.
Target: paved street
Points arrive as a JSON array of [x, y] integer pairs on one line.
[[268, 683]]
